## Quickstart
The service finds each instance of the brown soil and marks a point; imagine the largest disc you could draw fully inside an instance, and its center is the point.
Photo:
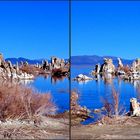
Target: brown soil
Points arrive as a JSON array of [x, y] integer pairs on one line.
[[122, 128], [50, 128]]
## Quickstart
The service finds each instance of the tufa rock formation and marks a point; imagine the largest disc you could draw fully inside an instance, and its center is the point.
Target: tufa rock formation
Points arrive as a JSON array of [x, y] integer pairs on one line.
[[135, 71], [134, 107], [136, 65], [82, 77], [8, 71], [120, 64], [108, 66], [124, 72], [56, 64]]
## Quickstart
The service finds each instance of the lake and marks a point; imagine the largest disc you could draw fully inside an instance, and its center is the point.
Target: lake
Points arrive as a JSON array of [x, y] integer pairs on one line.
[[59, 89], [93, 92]]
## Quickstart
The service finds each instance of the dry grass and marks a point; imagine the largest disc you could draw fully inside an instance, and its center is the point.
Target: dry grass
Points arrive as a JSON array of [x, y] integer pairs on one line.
[[126, 69], [115, 96], [107, 106], [112, 105], [119, 120], [17, 101], [48, 128], [30, 69], [78, 113], [60, 72], [75, 107], [24, 114]]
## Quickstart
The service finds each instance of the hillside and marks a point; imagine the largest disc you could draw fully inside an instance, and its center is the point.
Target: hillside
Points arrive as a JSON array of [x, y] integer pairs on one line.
[[94, 59]]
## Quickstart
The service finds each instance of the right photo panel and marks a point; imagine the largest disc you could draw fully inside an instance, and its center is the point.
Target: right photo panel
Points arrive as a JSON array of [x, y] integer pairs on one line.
[[105, 70]]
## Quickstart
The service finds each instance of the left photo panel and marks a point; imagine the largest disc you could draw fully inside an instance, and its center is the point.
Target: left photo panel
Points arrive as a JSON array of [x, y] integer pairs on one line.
[[34, 70]]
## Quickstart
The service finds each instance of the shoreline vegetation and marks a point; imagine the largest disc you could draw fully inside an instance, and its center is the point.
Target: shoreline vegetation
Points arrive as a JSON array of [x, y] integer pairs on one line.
[[28, 114]]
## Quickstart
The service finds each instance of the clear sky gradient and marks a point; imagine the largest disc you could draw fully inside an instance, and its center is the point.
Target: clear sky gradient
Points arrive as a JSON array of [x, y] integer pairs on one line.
[[34, 29], [106, 28]]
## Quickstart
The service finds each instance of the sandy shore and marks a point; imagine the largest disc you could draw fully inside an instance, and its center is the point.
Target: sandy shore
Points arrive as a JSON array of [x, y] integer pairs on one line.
[[49, 128], [124, 128]]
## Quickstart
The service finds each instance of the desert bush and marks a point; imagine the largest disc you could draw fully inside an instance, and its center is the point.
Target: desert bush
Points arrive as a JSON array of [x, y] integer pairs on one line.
[[112, 104], [126, 69], [77, 111], [30, 69], [107, 106], [115, 96], [60, 72], [18, 101], [74, 98], [74, 102]]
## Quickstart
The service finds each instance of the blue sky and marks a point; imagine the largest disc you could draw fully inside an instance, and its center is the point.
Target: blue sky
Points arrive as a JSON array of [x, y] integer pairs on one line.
[[106, 28], [34, 29]]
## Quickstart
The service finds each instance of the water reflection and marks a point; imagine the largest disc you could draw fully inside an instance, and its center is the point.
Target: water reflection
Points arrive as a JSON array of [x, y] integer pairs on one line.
[[137, 87], [93, 90], [15, 82], [107, 78], [54, 85], [55, 79], [98, 77]]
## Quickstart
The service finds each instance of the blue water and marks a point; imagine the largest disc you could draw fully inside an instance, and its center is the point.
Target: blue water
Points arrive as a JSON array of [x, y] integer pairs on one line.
[[93, 92], [59, 91]]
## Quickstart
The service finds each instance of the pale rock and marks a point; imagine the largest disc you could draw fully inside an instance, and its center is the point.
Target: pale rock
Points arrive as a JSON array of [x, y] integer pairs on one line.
[[120, 64], [108, 66], [134, 107]]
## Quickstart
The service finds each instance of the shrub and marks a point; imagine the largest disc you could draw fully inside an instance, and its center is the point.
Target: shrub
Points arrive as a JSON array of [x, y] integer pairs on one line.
[[126, 69], [18, 101], [30, 69], [112, 104]]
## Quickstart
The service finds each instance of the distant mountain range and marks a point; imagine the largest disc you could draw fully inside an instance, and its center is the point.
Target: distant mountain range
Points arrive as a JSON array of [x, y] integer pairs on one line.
[[30, 61], [76, 60], [94, 59], [14, 60]]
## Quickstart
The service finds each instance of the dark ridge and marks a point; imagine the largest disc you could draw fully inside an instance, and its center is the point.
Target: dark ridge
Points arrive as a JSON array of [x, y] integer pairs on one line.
[[30, 61], [94, 59]]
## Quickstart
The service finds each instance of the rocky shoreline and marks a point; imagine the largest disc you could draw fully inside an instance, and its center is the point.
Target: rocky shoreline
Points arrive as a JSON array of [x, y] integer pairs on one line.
[[109, 70], [131, 72], [24, 71]]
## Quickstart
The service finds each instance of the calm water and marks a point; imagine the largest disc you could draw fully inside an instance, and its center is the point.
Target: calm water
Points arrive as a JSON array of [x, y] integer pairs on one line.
[[59, 90], [93, 92]]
